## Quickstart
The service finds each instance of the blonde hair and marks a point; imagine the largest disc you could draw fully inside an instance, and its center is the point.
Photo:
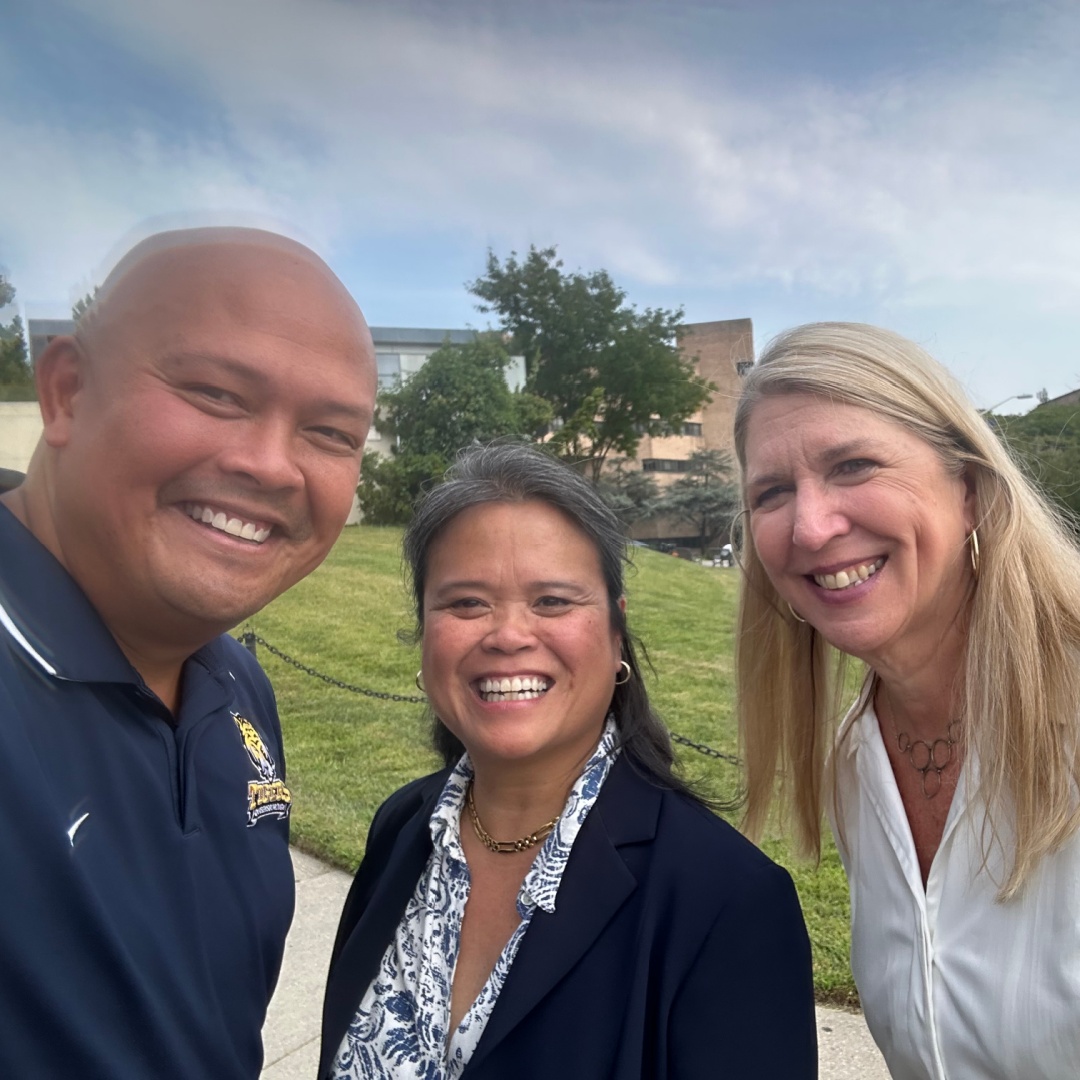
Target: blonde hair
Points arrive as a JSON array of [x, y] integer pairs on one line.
[[1021, 685]]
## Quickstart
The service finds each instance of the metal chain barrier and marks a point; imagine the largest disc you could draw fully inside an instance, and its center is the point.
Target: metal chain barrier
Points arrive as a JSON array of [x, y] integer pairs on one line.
[[701, 748], [249, 639]]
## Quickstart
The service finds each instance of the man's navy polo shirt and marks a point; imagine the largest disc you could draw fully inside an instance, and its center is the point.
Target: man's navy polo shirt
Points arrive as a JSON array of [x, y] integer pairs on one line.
[[147, 885]]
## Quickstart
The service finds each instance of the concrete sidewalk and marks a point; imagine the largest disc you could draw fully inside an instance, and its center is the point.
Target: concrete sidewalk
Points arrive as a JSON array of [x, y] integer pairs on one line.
[[291, 1034]]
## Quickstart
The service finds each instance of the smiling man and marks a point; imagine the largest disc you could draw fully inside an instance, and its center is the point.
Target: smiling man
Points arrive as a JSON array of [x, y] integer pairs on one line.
[[202, 439]]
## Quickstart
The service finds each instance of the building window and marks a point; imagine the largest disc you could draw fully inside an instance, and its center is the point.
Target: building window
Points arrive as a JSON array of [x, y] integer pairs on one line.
[[666, 430], [743, 366], [389, 368], [652, 464]]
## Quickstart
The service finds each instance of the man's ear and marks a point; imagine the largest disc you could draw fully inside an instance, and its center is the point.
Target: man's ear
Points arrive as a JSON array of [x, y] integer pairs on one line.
[[59, 375]]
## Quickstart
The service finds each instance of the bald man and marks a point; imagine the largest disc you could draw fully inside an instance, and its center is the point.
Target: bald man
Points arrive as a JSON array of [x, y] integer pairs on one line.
[[202, 439]]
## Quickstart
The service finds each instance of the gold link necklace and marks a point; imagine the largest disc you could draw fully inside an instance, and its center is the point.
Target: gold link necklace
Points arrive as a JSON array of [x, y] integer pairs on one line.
[[506, 847]]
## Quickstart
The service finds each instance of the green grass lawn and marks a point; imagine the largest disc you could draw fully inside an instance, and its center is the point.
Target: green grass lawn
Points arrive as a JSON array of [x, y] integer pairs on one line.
[[347, 753]]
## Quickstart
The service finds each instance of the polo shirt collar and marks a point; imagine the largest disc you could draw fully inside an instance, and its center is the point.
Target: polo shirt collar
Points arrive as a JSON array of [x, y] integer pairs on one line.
[[47, 615]]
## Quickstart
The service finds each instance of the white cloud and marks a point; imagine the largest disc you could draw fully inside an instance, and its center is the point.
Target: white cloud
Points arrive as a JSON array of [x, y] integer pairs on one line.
[[355, 120], [75, 200]]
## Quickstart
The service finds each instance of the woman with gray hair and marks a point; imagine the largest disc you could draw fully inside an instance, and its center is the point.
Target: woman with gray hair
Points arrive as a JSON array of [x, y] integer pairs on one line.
[[886, 522], [555, 902]]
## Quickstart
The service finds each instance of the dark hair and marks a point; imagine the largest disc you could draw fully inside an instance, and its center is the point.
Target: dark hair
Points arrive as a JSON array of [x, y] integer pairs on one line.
[[517, 472]]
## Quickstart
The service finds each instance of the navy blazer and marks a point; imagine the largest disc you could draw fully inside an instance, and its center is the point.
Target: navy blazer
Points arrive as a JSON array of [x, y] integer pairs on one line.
[[677, 950]]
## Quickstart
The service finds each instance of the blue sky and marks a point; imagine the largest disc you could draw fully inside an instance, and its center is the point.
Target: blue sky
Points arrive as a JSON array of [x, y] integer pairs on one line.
[[911, 164]]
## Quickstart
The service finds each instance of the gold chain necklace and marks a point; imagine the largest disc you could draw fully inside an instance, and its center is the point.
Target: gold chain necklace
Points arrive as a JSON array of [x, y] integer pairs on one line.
[[928, 759], [505, 847]]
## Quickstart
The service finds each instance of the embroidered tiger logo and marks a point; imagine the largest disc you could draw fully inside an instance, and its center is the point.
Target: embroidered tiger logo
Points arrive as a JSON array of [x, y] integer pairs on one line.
[[268, 796], [256, 749]]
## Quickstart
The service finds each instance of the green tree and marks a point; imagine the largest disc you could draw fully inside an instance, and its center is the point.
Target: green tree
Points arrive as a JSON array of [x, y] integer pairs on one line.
[[458, 397], [14, 365], [630, 492], [1047, 441], [704, 497], [612, 373], [390, 486], [16, 376]]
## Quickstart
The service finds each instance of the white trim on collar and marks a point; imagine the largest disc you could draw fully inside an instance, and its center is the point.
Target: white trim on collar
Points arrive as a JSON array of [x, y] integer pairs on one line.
[[16, 633]]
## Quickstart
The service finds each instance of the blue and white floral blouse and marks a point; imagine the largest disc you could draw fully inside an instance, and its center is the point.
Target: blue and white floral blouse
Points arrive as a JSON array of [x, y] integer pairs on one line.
[[400, 1029]]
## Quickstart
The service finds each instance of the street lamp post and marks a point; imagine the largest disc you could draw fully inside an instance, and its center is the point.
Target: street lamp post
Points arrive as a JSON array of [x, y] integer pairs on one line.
[[1011, 397]]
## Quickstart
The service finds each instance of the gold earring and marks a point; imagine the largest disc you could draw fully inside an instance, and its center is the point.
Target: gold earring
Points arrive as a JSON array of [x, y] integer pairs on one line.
[[973, 551], [629, 674], [419, 684], [795, 615]]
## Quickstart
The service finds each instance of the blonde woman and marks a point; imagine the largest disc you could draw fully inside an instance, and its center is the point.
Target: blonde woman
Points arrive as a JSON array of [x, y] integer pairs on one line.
[[885, 522]]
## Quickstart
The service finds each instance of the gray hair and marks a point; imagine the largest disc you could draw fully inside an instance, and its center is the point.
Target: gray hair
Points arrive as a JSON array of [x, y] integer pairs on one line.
[[514, 472], [508, 472]]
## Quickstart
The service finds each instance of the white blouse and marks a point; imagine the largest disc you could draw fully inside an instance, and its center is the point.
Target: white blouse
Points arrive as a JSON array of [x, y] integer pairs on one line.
[[399, 1031], [954, 985]]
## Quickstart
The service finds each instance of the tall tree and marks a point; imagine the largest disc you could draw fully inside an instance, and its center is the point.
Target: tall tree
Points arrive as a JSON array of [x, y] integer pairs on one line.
[[631, 493], [16, 376], [704, 497], [612, 373]]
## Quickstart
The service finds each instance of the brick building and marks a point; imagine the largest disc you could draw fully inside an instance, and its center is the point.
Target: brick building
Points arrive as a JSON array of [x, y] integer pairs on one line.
[[725, 352]]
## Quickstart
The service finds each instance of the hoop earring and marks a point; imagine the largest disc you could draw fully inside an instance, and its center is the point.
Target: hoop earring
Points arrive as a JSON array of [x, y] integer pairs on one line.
[[795, 615], [737, 547], [973, 551], [419, 684], [629, 674]]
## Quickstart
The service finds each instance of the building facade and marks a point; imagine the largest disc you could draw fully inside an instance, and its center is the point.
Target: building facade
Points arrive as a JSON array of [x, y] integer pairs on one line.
[[724, 353], [20, 429]]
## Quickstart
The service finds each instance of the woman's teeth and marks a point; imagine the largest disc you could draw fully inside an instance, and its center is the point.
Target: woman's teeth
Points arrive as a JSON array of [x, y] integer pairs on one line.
[[853, 575], [518, 688]]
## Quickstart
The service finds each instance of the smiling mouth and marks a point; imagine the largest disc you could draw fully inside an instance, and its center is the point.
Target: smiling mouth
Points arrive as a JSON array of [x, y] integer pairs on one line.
[[853, 575], [255, 531], [513, 688]]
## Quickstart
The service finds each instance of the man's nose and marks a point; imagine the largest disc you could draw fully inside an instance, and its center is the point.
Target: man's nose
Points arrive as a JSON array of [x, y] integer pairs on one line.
[[265, 450]]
